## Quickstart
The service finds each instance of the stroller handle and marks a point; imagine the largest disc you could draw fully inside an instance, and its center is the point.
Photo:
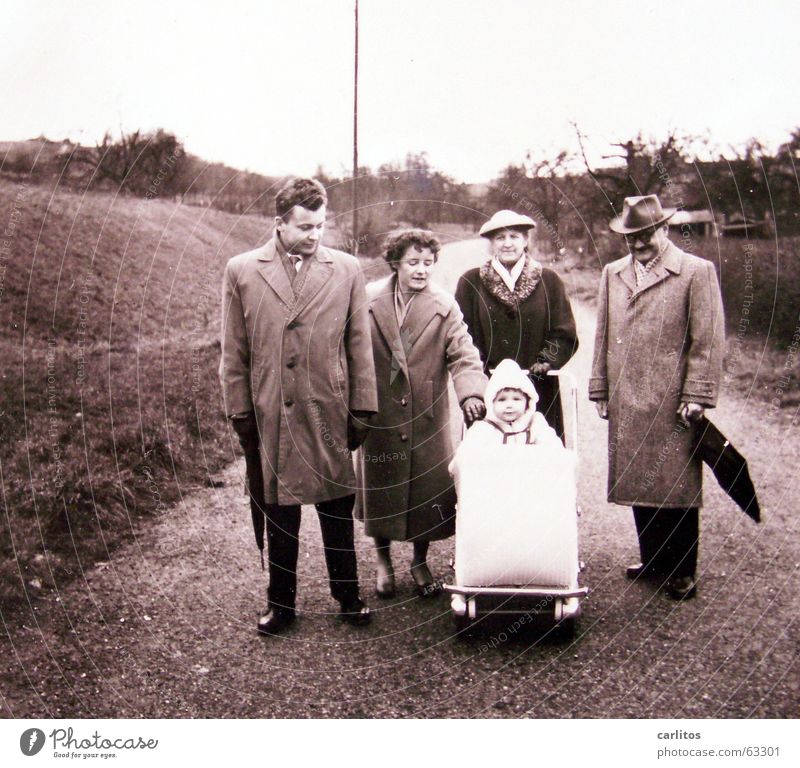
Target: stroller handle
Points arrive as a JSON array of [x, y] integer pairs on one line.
[[572, 383]]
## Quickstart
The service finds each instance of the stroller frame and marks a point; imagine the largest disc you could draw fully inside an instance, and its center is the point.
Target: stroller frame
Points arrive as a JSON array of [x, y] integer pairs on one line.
[[549, 605]]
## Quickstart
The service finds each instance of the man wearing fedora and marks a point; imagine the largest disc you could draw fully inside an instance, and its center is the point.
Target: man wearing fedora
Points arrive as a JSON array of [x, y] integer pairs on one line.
[[657, 363]]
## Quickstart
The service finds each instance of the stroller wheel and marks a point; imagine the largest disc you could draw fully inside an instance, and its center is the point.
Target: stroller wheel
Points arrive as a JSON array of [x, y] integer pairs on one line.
[[567, 628], [465, 626]]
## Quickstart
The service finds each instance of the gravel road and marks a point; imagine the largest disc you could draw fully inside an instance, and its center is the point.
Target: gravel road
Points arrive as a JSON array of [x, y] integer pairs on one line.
[[165, 628]]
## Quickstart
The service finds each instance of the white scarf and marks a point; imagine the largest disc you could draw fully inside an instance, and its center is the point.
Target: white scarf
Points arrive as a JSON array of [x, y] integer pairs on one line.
[[509, 277]]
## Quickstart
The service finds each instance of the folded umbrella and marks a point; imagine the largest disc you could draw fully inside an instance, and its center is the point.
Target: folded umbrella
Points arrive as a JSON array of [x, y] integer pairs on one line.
[[728, 466], [255, 490]]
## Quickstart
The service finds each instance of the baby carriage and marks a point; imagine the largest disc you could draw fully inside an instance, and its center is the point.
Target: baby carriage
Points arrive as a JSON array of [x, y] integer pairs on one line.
[[517, 532]]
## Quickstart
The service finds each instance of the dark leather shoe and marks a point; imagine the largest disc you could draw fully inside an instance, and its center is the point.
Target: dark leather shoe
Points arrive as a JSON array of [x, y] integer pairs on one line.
[[274, 621], [424, 582], [682, 588], [635, 571], [356, 613]]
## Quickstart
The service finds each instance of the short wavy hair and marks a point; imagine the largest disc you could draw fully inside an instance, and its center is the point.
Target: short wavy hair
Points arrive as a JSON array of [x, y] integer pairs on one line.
[[397, 243], [307, 193]]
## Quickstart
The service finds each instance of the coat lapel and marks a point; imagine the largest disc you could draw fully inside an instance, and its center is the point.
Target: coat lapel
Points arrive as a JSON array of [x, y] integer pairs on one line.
[[626, 274], [422, 310], [670, 264], [319, 273], [270, 267], [382, 308]]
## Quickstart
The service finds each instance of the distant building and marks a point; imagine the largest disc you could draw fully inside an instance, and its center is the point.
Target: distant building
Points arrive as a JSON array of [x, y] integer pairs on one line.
[[699, 223], [738, 225]]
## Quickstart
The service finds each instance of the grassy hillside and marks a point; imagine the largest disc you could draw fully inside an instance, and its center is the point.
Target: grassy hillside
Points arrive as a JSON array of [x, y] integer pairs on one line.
[[110, 402]]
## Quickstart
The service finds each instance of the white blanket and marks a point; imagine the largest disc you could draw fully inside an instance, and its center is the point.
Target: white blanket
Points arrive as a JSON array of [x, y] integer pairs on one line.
[[516, 522]]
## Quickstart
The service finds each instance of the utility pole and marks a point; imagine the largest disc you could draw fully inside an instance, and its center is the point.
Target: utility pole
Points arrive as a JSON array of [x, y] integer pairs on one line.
[[355, 139]]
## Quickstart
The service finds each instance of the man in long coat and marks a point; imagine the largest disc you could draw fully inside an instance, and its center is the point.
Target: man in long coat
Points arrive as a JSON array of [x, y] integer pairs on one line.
[[657, 363], [296, 370]]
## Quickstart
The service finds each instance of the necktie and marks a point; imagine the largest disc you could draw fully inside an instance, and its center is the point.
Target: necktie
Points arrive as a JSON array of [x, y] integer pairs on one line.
[[297, 262]]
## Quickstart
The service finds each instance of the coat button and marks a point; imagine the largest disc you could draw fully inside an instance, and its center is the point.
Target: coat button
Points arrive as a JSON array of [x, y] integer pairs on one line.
[[404, 402], [290, 364], [289, 402], [291, 326], [403, 438]]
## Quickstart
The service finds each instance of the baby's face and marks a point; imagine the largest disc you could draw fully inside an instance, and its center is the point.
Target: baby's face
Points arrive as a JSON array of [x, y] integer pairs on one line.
[[510, 404]]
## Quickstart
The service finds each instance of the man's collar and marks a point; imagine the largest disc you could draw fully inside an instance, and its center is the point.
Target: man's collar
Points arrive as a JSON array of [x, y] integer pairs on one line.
[[321, 254], [670, 259]]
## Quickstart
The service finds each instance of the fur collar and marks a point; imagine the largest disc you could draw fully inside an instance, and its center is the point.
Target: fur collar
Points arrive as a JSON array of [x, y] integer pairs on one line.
[[525, 286]]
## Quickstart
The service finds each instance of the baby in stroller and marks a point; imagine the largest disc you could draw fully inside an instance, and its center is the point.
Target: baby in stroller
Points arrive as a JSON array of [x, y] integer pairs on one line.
[[516, 486], [511, 415]]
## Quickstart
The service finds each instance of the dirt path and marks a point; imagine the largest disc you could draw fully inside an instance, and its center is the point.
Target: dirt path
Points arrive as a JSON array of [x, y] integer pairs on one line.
[[166, 627]]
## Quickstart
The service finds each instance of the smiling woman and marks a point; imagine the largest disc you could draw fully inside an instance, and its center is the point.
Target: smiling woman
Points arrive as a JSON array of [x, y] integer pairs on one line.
[[419, 339]]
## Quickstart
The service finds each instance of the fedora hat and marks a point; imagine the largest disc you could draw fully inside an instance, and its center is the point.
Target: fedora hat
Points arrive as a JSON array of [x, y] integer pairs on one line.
[[506, 220], [640, 213]]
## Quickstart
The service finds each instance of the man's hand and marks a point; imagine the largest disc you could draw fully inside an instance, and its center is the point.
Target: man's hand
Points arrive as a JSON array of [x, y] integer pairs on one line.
[[245, 425], [357, 428], [473, 409], [690, 412], [602, 408], [540, 369]]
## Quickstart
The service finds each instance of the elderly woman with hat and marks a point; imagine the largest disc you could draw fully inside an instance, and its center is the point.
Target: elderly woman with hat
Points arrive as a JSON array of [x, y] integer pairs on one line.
[[419, 341], [516, 308]]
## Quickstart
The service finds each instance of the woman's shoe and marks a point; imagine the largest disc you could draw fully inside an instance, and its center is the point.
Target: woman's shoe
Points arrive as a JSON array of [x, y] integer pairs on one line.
[[423, 581], [384, 581]]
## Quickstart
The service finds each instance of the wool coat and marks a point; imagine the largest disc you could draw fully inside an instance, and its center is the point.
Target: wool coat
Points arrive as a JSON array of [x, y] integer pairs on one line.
[[656, 345], [408, 494], [533, 324], [302, 362]]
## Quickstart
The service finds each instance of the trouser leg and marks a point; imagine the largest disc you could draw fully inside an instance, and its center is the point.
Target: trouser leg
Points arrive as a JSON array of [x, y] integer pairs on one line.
[[668, 539], [283, 527], [336, 522], [681, 537], [649, 542]]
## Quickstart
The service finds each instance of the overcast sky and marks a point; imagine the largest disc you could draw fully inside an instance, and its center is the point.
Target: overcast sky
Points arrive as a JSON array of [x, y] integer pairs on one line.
[[267, 86]]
